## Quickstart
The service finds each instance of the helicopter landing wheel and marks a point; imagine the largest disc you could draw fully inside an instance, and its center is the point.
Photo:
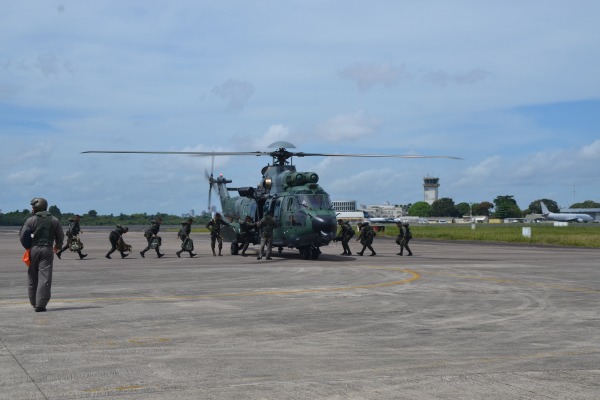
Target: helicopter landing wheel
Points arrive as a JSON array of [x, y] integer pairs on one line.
[[305, 253], [315, 253], [234, 248]]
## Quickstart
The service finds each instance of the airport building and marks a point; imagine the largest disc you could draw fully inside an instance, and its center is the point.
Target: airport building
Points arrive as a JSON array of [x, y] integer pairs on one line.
[[372, 211], [344, 205]]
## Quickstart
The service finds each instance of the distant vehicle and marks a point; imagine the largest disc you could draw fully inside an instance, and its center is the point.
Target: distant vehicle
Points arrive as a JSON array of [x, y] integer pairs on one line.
[[567, 217], [381, 220], [352, 216]]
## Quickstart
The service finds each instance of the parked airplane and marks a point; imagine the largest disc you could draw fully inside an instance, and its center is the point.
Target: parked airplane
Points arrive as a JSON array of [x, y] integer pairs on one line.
[[568, 217]]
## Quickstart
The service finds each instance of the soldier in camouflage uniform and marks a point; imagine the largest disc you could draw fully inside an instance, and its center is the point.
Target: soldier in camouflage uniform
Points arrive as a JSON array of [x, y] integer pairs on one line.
[[150, 234], [214, 225], [366, 236], [345, 234], [184, 235], [247, 228], [39, 233], [267, 224], [115, 236], [72, 235], [403, 238]]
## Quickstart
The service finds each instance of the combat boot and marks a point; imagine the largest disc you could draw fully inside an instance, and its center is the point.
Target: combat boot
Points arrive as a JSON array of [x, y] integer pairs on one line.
[[179, 254]]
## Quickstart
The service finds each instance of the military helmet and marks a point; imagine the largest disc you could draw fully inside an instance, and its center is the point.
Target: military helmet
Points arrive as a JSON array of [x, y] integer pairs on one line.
[[39, 204], [340, 221]]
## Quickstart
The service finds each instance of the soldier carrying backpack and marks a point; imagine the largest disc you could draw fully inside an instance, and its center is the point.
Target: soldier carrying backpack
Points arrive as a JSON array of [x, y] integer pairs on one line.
[[403, 238], [366, 236]]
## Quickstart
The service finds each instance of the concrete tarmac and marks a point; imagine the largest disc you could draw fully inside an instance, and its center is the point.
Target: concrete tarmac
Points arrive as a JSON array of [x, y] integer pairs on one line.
[[455, 321]]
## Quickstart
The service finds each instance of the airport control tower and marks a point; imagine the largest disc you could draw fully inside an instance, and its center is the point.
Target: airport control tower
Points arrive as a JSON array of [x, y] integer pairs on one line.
[[430, 188]]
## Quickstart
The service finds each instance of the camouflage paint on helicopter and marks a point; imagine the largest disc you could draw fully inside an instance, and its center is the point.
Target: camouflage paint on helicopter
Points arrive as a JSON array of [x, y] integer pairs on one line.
[[303, 211]]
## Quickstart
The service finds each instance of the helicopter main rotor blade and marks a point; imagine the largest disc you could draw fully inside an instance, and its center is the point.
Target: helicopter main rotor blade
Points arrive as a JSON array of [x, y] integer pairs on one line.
[[189, 153], [301, 154], [264, 153]]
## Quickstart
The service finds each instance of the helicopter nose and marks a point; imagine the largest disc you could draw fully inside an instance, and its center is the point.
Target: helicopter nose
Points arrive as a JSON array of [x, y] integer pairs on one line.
[[325, 225]]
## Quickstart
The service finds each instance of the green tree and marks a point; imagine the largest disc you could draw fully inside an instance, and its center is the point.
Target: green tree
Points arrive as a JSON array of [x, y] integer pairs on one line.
[[586, 204], [444, 207], [55, 211], [463, 208], [536, 208], [92, 213], [482, 208], [506, 207], [419, 209]]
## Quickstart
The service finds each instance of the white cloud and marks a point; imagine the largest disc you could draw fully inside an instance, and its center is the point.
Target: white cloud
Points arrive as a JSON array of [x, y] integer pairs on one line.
[[115, 75], [359, 125], [27, 177], [367, 75], [591, 151], [236, 93]]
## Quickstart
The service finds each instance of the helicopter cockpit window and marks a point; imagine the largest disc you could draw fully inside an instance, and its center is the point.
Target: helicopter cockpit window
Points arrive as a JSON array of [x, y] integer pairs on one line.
[[317, 201]]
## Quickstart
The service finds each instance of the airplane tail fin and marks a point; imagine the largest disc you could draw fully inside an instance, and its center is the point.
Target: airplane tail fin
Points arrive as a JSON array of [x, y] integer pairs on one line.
[[545, 210]]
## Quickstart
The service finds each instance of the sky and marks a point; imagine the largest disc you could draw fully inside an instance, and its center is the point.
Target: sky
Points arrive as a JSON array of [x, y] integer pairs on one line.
[[511, 87]]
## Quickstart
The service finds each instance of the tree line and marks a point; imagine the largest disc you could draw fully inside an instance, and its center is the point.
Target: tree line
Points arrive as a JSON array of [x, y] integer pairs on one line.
[[92, 218], [502, 207]]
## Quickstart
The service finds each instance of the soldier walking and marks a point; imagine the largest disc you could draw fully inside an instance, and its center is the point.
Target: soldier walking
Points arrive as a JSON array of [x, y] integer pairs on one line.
[[247, 229], [366, 236], [116, 241], [39, 233], [345, 234], [151, 235], [266, 224], [184, 235], [73, 237], [404, 236], [214, 225]]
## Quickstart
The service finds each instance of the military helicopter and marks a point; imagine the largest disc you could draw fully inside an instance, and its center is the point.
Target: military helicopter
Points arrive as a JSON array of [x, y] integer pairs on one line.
[[305, 217]]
